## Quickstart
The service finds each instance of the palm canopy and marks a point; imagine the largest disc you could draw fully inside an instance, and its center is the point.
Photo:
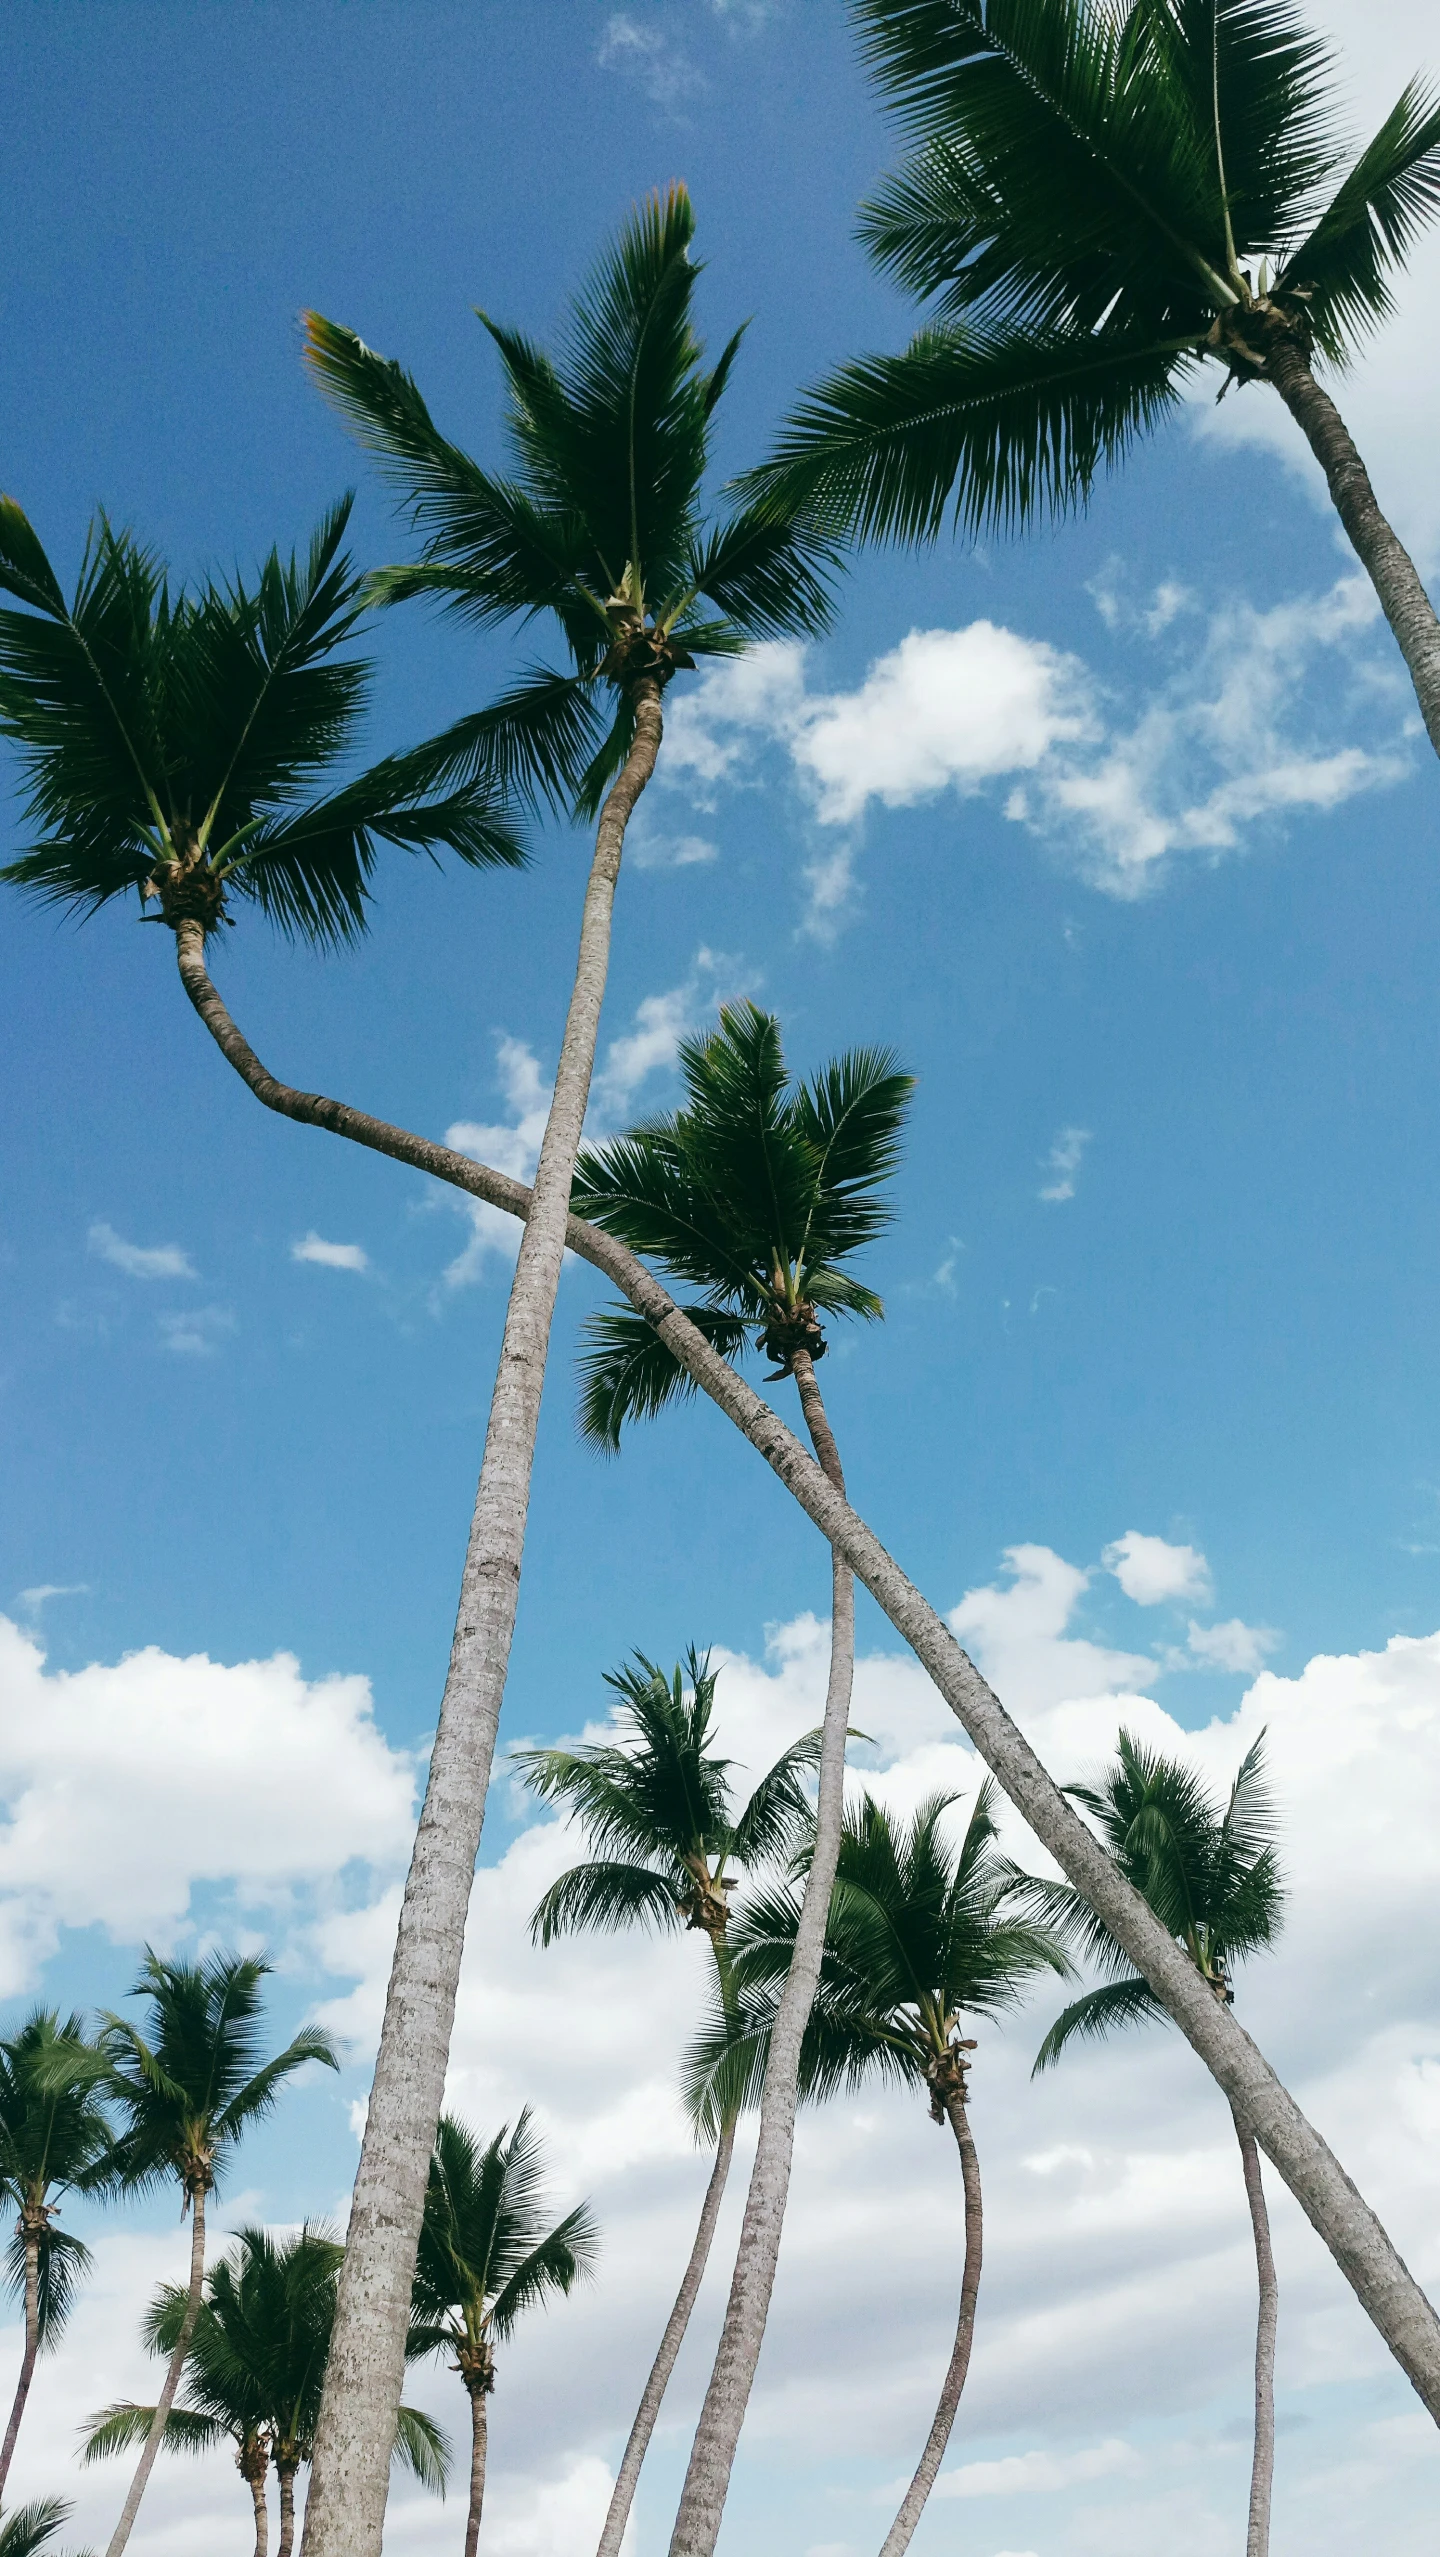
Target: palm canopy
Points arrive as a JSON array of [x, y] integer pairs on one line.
[[1098, 197], [487, 2252], [33, 2527], [55, 2138], [599, 522], [190, 2089], [757, 1191], [1210, 1873], [657, 1806], [172, 743], [924, 1930]]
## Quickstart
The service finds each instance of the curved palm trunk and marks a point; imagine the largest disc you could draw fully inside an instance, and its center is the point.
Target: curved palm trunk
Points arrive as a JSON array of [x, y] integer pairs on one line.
[[286, 2475], [1391, 570], [479, 2440], [712, 2455], [174, 2368], [902, 2529], [31, 2352], [1262, 2473], [345, 2508], [1361, 2247], [648, 2412]]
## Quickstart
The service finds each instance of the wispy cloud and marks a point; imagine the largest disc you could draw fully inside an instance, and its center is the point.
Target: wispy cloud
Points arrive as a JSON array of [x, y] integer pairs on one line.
[[140, 1260], [658, 66], [1063, 1164], [32, 1600], [330, 1256], [1233, 1645], [197, 1334]]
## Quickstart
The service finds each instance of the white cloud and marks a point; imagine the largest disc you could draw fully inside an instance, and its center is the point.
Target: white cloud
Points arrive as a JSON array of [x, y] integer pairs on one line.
[[658, 66], [1151, 1571], [647, 851], [1036, 2472], [1233, 1645], [1062, 1163], [330, 1256], [32, 1600], [1019, 1635], [947, 709], [199, 1333], [140, 1260]]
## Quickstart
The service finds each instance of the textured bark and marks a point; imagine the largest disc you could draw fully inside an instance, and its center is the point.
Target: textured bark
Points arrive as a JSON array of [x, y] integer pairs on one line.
[[902, 2529], [1391, 570], [1341, 2218], [479, 2436], [345, 2507], [1262, 2473], [648, 2412], [254, 2474], [174, 2368], [717, 2435], [32, 2348], [286, 2476]]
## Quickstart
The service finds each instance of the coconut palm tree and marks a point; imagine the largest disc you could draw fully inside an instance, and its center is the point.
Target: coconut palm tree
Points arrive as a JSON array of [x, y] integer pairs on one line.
[[656, 1805], [1212, 1878], [756, 1194], [1101, 201], [599, 530], [188, 2090], [254, 2373], [34, 2527], [924, 1934], [55, 2138], [485, 2257]]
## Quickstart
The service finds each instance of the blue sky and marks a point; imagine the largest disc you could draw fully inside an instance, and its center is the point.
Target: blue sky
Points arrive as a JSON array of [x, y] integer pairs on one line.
[[1132, 860]]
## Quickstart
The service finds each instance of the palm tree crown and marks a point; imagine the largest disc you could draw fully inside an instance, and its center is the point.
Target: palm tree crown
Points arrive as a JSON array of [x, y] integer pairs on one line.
[[55, 2138], [486, 2251], [757, 1192]]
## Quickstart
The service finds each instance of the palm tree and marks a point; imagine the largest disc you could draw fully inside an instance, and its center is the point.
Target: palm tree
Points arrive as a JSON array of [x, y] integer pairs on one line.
[[657, 1808], [254, 2373], [599, 529], [34, 2527], [756, 1193], [1212, 1879], [54, 2139], [1102, 200], [188, 2092], [485, 2256], [922, 1935]]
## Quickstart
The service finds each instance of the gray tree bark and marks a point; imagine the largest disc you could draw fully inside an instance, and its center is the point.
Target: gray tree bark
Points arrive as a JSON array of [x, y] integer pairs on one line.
[[1262, 2472], [32, 2347], [648, 2412], [479, 2441], [902, 2529], [252, 2468], [174, 2368], [286, 2476], [349, 2477], [1341, 2218]]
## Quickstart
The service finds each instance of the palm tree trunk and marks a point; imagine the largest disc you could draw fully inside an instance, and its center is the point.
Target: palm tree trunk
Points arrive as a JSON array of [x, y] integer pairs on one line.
[[286, 2476], [712, 2455], [1262, 2473], [176, 2365], [647, 2414], [345, 2508], [479, 2438], [253, 2467], [1344, 2222], [1391, 570], [902, 2529], [32, 2347]]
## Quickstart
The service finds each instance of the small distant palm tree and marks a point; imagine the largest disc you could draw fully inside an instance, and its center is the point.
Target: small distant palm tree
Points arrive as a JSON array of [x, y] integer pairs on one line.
[[188, 2090], [254, 2372], [34, 2527], [55, 2138], [924, 1934], [1212, 1877], [656, 1805], [1101, 200], [485, 2257]]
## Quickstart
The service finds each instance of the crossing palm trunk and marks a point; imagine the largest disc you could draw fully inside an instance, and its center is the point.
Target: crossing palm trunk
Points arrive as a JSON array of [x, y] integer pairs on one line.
[[902, 2529], [479, 2442], [173, 2371], [1262, 2473], [31, 2234], [648, 2411], [345, 2507]]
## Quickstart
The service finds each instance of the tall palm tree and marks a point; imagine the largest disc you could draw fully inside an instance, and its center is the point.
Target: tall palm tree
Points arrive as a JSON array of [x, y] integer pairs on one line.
[[485, 2256], [756, 1194], [1101, 200], [55, 2138], [599, 529], [923, 1935], [657, 1807], [254, 2373], [188, 2089], [1212, 1878]]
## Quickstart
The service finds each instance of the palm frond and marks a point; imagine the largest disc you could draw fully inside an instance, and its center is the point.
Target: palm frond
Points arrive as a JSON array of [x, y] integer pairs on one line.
[[124, 2426], [777, 1816], [601, 1898], [628, 1374], [24, 569], [422, 2446], [1100, 2011], [770, 577], [1343, 269], [566, 2254]]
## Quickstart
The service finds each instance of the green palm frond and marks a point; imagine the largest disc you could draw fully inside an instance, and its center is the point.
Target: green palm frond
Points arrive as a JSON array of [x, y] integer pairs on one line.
[[199, 2080], [486, 2252], [1100, 2011], [600, 1898], [65, 2260], [33, 2527], [777, 1816], [125, 2426], [565, 2255], [628, 1374], [424, 2447], [1343, 269], [772, 580]]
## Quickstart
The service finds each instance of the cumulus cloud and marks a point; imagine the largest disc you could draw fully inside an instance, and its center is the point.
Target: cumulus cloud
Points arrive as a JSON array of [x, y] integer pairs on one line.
[[140, 1260], [330, 1256], [1019, 1635], [1232, 1645], [1062, 1164], [1151, 1571]]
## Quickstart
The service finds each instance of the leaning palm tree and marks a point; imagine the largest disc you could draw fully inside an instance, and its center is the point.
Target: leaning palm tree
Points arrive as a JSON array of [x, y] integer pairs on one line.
[[756, 1194], [1101, 200], [1212, 1878], [656, 1806], [486, 2255], [923, 1935], [55, 2138], [254, 2373], [188, 2090], [599, 530]]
